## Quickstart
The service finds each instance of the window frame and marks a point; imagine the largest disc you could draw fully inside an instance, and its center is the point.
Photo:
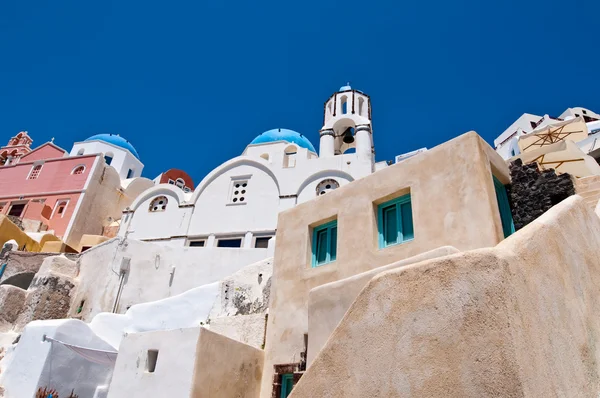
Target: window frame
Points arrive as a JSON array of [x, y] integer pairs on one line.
[[79, 166], [397, 202], [329, 226], [287, 380], [35, 167], [229, 238], [504, 210], [57, 205]]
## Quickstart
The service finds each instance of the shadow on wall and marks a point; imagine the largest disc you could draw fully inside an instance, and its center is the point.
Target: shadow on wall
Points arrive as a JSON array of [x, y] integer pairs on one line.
[[22, 280]]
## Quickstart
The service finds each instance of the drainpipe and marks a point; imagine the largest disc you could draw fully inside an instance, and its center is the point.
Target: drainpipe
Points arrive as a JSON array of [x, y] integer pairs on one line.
[[124, 269]]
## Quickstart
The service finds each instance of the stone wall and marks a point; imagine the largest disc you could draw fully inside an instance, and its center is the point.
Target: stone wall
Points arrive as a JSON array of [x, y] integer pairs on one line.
[[18, 262], [533, 192]]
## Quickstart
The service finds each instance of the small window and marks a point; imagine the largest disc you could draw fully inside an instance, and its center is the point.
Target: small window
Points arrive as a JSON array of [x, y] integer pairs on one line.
[[229, 242], [262, 243], [158, 204], [130, 173], [239, 191], [324, 245], [508, 226], [327, 185], [35, 172], [584, 111], [180, 183], [171, 182], [151, 361], [108, 158], [197, 243], [16, 210], [78, 170], [80, 152], [186, 189], [287, 383], [59, 208], [395, 221]]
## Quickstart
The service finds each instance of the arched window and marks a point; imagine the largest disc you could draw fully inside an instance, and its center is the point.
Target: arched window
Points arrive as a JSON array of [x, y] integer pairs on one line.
[[289, 158], [344, 104], [59, 208], [108, 157], [180, 183], [78, 170], [80, 152], [327, 185], [158, 204], [361, 106], [35, 172]]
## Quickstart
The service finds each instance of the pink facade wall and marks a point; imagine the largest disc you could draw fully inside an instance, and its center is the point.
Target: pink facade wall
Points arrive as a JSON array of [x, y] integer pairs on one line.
[[55, 183], [54, 176], [46, 151]]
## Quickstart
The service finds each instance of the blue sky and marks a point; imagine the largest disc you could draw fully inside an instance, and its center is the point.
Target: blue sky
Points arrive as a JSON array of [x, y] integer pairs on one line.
[[191, 83]]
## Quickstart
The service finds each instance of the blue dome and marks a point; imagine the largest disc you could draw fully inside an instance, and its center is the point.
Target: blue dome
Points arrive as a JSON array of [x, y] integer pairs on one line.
[[284, 135], [115, 140]]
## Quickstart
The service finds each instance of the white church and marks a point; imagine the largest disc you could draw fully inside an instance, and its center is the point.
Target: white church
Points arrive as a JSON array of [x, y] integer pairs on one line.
[[236, 205]]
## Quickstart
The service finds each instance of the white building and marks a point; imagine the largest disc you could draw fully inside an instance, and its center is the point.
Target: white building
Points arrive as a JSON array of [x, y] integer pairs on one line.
[[236, 205], [506, 143], [117, 151]]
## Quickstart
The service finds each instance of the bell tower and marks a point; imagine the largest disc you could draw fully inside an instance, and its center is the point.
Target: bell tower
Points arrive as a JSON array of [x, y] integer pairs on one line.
[[347, 124]]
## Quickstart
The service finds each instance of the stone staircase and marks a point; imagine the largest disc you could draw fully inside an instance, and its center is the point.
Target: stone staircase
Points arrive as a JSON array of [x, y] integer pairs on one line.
[[589, 189]]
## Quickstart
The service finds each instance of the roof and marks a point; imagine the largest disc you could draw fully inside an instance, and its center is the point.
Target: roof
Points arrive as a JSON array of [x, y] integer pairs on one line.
[[290, 136], [116, 140]]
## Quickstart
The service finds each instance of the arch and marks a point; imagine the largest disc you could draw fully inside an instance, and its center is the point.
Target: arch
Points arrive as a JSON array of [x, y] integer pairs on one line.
[[238, 161], [155, 190], [322, 175], [79, 169], [344, 104], [80, 152], [158, 204], [21, 280], [180, 183], [361, 106], [265, 156], [289, 157], [350, 149]]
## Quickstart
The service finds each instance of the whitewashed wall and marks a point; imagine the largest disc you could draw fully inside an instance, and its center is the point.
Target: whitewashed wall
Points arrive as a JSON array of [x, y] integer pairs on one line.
[[122, 160]]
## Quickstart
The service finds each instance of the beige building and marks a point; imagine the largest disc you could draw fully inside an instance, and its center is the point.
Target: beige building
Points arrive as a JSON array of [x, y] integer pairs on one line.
[[446, 196]]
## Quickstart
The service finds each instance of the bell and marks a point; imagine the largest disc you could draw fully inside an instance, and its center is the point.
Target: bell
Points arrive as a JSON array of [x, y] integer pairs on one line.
[[348, 138]]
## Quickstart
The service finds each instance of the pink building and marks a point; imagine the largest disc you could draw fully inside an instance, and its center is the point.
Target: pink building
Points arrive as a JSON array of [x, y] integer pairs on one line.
[[48, 190]]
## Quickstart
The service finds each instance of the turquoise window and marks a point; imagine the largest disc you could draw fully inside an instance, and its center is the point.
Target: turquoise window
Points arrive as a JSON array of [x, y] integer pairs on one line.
[[287, 383], [395, 221], [508, 226], [324, 244]]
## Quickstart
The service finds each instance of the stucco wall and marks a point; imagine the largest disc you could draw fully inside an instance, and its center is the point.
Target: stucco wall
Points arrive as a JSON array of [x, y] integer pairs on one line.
[[156, 272], [516, 320], [103, 198], [328, 303], [453, 204], [226, 368], [174, 370]]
